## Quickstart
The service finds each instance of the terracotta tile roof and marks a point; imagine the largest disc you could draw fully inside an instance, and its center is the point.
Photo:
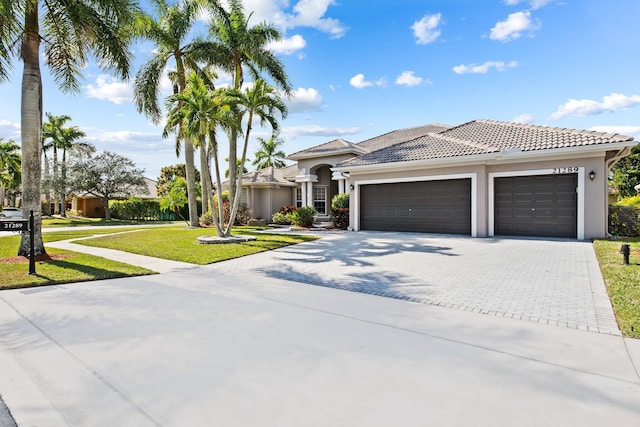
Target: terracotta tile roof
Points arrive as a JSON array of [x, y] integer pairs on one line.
[[400, 135], [483, 137], [337, 145]]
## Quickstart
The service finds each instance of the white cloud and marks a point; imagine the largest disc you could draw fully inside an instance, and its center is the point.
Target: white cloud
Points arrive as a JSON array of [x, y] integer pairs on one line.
[[513, 27], [311, 13], [110, 89], [407, 78], [304, 100], [426, 29], [358, 81], [524, 119], [588, 107], [293, 132], [533, 4], [10, 130], [288, 46], [483, 68], [622, 130]]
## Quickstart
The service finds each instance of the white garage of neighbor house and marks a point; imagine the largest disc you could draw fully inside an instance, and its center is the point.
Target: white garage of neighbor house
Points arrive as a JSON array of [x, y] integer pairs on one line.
[[482, 178]]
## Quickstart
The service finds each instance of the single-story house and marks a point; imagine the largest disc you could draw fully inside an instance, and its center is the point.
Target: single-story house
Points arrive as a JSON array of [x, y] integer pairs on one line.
[[91, 206], [481, 178]]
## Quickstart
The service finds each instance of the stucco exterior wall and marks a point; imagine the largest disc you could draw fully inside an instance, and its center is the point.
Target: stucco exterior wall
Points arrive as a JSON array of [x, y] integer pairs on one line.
[[592, 195], [264, 202]]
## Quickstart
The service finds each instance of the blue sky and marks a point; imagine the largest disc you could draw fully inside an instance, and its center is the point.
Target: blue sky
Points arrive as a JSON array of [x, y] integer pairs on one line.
[[363, 68]]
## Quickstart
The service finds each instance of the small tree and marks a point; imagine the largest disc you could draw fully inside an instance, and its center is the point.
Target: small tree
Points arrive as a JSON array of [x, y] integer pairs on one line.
[[107, 175], [626, 173]]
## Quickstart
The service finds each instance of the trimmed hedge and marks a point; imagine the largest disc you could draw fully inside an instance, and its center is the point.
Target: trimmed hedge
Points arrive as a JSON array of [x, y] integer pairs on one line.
[[136, 209], [623, 220]]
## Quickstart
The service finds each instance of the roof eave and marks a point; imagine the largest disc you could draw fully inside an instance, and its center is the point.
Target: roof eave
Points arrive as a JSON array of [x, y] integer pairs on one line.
[[595, 150], [301, 156]]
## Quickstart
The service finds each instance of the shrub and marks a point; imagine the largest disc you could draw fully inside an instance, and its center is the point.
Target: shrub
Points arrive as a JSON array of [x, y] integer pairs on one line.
[[340, 218], [281, 218], [623, 220], [630, 201], [288, 209], [304, 217], [340, 201], [137, 209]]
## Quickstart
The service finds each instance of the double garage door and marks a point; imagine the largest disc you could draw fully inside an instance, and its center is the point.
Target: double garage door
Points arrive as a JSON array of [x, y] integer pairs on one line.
[[544, 205], [422, 206]]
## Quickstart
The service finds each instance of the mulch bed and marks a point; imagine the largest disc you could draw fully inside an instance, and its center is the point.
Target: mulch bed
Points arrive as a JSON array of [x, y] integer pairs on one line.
[[39, 258]]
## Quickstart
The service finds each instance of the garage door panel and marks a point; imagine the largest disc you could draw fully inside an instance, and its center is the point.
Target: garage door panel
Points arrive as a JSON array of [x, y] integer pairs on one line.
[[544, 205], [424, 206]]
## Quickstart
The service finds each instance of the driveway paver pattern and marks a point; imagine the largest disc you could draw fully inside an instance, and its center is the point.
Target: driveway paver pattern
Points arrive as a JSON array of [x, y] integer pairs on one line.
[[554, 282]]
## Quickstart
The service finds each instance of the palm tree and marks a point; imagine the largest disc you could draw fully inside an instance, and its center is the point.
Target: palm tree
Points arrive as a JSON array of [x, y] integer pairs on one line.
[[268, 155], [238, 46], [198, 111], [9, 166], [260, 100], [56, 136], [169, 33], [70, 31]]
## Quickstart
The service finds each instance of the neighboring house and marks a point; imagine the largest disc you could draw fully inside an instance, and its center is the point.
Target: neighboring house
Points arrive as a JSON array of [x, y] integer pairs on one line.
[[482, 178], [90, 206]]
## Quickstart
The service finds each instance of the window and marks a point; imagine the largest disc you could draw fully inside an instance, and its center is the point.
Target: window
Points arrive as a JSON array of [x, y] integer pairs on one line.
[[320, 199], [299, 197]]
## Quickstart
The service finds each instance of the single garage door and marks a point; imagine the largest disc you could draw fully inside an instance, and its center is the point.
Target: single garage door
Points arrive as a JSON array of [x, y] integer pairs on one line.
[[423, 206], [542, 205]]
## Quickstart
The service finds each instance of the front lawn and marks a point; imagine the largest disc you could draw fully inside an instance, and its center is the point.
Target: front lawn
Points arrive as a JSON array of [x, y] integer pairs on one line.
[[623, 282], [65, 267], [179, 243], [77, 221]]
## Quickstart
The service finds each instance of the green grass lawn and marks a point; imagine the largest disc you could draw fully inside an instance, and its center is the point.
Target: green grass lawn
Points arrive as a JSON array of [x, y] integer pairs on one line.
[[623, 282], [71, 267], [179, 243], [83, 222]]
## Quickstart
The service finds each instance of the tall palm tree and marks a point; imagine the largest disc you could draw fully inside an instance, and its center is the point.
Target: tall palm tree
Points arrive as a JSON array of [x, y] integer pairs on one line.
[[268, 154], [169, 32], [70, 31], [56, 136], [199, 110], [261, 101], [238, 46], [9, 166]]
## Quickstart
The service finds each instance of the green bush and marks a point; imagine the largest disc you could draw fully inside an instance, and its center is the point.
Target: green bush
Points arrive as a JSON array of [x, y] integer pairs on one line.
[[137, 209], [340, 201], [340, 218], [630, 201], [281, 218], [304, 217], [623, 220]]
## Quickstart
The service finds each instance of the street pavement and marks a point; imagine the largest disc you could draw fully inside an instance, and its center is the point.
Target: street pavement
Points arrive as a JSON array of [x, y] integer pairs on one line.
[[249, 342]]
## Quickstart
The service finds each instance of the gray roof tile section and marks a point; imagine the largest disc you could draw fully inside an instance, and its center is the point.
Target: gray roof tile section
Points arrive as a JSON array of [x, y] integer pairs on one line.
[[399, 136], [326, 148], [280, 176], [504, 135], [483, 137]]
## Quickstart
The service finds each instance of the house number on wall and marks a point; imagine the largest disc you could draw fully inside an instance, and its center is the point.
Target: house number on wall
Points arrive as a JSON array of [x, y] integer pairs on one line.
[[572, 169]]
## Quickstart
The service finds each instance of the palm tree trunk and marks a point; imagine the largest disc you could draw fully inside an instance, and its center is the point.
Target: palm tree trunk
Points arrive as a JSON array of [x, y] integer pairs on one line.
[[191, 183], [63, 184], [31, 128], [236, 199], [214, 149], [204, 167], [47, 185]]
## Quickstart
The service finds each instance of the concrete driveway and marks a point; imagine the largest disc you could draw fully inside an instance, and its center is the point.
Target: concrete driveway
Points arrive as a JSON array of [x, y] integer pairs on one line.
[[247, 342]]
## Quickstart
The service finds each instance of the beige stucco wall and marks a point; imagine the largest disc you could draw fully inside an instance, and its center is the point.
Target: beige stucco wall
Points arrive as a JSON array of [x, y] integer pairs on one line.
[[594, 200], [264, 202]]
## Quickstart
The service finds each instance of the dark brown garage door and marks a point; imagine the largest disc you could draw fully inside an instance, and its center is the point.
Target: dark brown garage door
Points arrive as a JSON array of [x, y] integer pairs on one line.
[[544, 205], [424, 206]]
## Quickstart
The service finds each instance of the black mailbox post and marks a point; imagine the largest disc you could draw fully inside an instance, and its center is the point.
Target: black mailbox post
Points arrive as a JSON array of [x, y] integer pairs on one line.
[[23, 225]]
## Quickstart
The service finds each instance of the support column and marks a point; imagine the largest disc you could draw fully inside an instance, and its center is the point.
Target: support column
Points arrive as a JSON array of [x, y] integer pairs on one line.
[[309, 193]]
